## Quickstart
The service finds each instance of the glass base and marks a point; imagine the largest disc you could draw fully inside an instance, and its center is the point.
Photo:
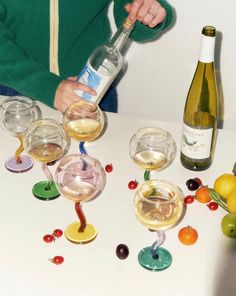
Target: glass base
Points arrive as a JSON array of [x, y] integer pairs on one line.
[[73, 235], [25, 165], [147, 261], [41, 192]]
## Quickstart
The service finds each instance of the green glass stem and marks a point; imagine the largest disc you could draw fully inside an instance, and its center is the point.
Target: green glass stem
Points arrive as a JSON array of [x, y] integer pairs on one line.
[[146, 175]]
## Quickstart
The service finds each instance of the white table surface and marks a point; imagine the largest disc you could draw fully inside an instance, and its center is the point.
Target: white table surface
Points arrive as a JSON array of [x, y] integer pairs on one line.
[[207, 268]]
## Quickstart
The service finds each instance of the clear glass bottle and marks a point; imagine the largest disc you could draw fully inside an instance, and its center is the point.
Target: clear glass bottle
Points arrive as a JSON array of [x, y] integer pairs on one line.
[[201, 109], [104, 64]]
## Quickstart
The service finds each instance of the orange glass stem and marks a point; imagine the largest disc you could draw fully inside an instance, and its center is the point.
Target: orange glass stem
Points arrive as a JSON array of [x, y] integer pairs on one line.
[[82, 218], [20, 149]]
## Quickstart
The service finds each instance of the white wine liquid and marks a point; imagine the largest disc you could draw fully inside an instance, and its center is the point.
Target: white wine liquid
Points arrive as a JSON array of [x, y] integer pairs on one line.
[[78, 191], [46, 152], [157, 215], [150, 160], [84, 129]]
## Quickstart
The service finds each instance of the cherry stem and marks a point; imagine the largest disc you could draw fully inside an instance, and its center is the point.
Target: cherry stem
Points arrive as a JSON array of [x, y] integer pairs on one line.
[[160, 240], [82, 218], [146, 175], [20, 149], [48, 175]]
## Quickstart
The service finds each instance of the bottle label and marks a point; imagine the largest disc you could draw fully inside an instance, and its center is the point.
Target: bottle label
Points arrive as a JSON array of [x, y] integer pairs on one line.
[[98, 80], [196, 143]]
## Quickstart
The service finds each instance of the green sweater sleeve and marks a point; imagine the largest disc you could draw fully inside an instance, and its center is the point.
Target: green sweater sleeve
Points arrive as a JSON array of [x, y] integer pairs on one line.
[[142, 33], [22, 72]]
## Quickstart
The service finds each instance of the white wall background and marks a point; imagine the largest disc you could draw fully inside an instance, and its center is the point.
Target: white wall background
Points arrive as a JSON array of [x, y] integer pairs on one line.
[[163, 69]]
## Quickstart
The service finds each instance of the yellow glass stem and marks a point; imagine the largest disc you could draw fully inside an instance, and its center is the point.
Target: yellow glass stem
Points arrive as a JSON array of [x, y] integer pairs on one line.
[[20, 148]]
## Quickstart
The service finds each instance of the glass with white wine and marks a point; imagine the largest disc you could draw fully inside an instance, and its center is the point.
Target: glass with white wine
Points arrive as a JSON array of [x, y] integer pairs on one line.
[[46, 141], [158, 206], [83, 121], [152, 148]]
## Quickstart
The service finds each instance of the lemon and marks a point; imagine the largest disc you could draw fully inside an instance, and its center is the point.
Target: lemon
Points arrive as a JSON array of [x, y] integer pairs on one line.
[[224, 184], [231, 201]]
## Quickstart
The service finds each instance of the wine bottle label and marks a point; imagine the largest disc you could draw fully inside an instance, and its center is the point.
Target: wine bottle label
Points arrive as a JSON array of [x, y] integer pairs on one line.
[[196, 143], [98, 80]]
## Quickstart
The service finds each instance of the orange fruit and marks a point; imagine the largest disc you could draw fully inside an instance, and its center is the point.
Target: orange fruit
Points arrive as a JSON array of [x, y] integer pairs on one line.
[[188, 235], [203, 194]]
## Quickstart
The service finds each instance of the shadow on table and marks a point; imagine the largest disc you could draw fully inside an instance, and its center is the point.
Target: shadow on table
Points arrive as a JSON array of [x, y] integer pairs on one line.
[[225, 280]]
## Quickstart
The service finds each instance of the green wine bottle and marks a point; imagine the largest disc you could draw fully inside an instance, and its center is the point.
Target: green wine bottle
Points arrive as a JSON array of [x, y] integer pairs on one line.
[[201, 109]]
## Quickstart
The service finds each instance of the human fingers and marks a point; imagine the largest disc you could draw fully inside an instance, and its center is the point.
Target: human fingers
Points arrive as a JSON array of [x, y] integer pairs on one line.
[[133, 9], [155, 15]]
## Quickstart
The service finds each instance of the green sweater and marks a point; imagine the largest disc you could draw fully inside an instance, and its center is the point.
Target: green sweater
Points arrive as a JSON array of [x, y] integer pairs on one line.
[[83, 25]]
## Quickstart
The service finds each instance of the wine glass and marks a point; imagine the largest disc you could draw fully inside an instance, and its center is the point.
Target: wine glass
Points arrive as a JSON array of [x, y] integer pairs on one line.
[[158, 206], [79, 177], [152, 148], [83, 121], [16, 114], [46, 141]]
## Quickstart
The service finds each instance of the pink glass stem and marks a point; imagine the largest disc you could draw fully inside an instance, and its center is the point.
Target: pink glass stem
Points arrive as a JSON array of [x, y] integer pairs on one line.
[[160, 240], [82, 218], [20, 149], [48, 175]]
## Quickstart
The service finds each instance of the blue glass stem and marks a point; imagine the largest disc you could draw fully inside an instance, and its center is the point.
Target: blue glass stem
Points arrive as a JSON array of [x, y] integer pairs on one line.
[[81, 148], [160, 240]]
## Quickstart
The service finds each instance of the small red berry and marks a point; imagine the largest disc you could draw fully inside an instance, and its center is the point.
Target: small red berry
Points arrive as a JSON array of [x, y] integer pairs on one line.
[[108, 168], [57, 260], [132, 184], [189, 199], [199, 181], [57, 233], [213, 206], [48, 238]]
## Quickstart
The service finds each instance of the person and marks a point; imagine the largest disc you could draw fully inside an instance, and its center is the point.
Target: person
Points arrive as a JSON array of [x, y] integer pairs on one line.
[[43, 46]]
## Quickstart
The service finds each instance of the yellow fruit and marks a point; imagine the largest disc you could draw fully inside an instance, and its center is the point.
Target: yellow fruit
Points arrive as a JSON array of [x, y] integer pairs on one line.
[[231, 201], [224, 184]]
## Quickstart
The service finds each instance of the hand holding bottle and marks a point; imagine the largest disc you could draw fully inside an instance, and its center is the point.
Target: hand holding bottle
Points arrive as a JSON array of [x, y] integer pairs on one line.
[[66, 95], [148, 12]]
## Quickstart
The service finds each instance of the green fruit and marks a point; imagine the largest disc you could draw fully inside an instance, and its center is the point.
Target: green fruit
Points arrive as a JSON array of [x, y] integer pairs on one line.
[[228, 225]]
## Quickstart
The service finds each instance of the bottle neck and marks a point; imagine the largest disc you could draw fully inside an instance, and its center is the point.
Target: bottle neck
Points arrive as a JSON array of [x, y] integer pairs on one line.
[[207, 49], [121, 35]]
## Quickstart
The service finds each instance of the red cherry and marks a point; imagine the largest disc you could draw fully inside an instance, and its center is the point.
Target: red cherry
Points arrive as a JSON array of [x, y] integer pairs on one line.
[[199, 181], [189, 199], [132, 184], [48, 238], [57, 260], [213, 206], [108, 168], [57, 233]]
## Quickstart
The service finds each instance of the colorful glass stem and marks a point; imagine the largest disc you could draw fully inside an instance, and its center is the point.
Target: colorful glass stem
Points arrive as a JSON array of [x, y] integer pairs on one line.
[[82, 218], [20, 149], [48, 175], [160, 240], [81, 148], [146, 175]]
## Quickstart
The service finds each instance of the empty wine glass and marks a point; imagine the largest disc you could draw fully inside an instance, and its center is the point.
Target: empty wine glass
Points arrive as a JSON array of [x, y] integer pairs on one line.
[[79, 177], [46, 141], [83, 121], [152, 148], [16, 114], [158, 206]]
